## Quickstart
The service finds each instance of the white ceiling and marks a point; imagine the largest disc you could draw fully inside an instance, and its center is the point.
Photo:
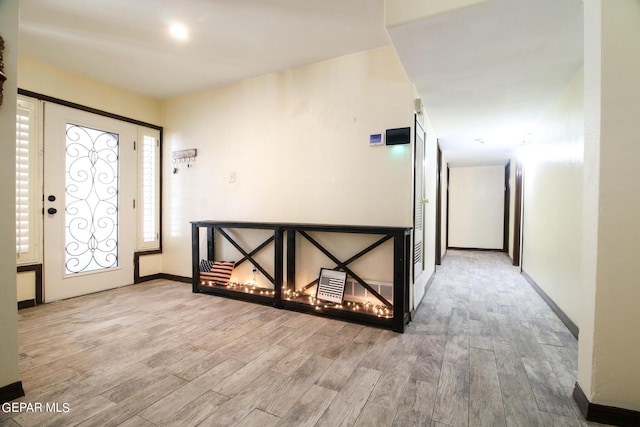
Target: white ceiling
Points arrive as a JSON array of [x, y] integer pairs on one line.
[[489, 72], [127, 43], [484, 72]]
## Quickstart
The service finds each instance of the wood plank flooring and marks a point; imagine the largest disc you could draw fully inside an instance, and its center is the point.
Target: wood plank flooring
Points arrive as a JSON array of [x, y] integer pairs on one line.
[[483, 350]]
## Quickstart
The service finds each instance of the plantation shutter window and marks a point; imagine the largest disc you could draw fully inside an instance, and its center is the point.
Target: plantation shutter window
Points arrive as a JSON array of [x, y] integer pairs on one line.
[[149, 189], [26, 181]]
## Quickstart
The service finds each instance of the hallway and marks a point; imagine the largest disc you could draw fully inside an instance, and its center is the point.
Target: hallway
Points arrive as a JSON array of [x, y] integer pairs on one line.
[[496, 351], [483, 350]]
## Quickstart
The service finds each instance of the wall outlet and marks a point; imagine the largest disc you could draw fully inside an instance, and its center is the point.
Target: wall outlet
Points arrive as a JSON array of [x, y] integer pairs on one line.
[[232, 177]]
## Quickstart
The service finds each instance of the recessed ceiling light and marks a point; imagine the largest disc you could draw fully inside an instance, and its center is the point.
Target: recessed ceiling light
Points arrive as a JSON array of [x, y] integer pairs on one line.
[[179, 31]]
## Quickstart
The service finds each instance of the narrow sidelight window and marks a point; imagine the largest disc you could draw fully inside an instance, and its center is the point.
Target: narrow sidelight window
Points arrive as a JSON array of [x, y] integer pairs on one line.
[[27, 229], [149, 189]]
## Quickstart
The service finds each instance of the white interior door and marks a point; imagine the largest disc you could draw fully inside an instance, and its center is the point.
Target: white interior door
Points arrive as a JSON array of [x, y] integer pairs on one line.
[[419, 200], [89, 192]]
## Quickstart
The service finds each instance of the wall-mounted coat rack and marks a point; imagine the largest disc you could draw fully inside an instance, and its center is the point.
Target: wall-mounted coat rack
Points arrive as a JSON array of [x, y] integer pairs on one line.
[[183, 156]]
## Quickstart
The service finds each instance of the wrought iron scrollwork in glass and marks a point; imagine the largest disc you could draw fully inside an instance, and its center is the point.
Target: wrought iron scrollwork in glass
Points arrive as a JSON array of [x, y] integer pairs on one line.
[[91, 200]]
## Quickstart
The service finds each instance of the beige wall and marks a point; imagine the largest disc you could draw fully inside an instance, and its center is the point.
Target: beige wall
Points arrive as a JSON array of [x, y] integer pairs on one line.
[[294, 139], [609, 348], [26, 286], [9, 373], [150, 264], [297, 142], [476, 207], [552, 228], [49, 80]]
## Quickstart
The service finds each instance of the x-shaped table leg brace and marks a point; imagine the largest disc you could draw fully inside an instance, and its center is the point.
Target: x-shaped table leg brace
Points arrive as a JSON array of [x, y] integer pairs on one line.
[[343, 265], [249, 255]]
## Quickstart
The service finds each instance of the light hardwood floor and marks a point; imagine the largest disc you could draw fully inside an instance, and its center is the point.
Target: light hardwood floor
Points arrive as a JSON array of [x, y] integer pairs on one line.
[[483, 350]]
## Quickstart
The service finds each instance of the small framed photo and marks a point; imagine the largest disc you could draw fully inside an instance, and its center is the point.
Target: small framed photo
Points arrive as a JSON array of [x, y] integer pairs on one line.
[[331, 285]]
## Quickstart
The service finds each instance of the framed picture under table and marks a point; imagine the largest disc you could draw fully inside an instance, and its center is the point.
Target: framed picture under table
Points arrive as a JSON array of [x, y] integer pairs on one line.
[[331, 285]]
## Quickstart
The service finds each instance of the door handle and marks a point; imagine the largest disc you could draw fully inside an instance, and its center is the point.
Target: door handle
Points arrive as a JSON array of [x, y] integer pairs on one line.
[[52, 211]]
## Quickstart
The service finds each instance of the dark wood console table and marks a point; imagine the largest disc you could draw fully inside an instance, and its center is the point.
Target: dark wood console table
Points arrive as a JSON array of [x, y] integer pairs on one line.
[[283, 292]]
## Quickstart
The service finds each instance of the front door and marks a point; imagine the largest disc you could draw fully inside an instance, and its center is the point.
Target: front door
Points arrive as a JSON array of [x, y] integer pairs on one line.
[[89, 192]]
